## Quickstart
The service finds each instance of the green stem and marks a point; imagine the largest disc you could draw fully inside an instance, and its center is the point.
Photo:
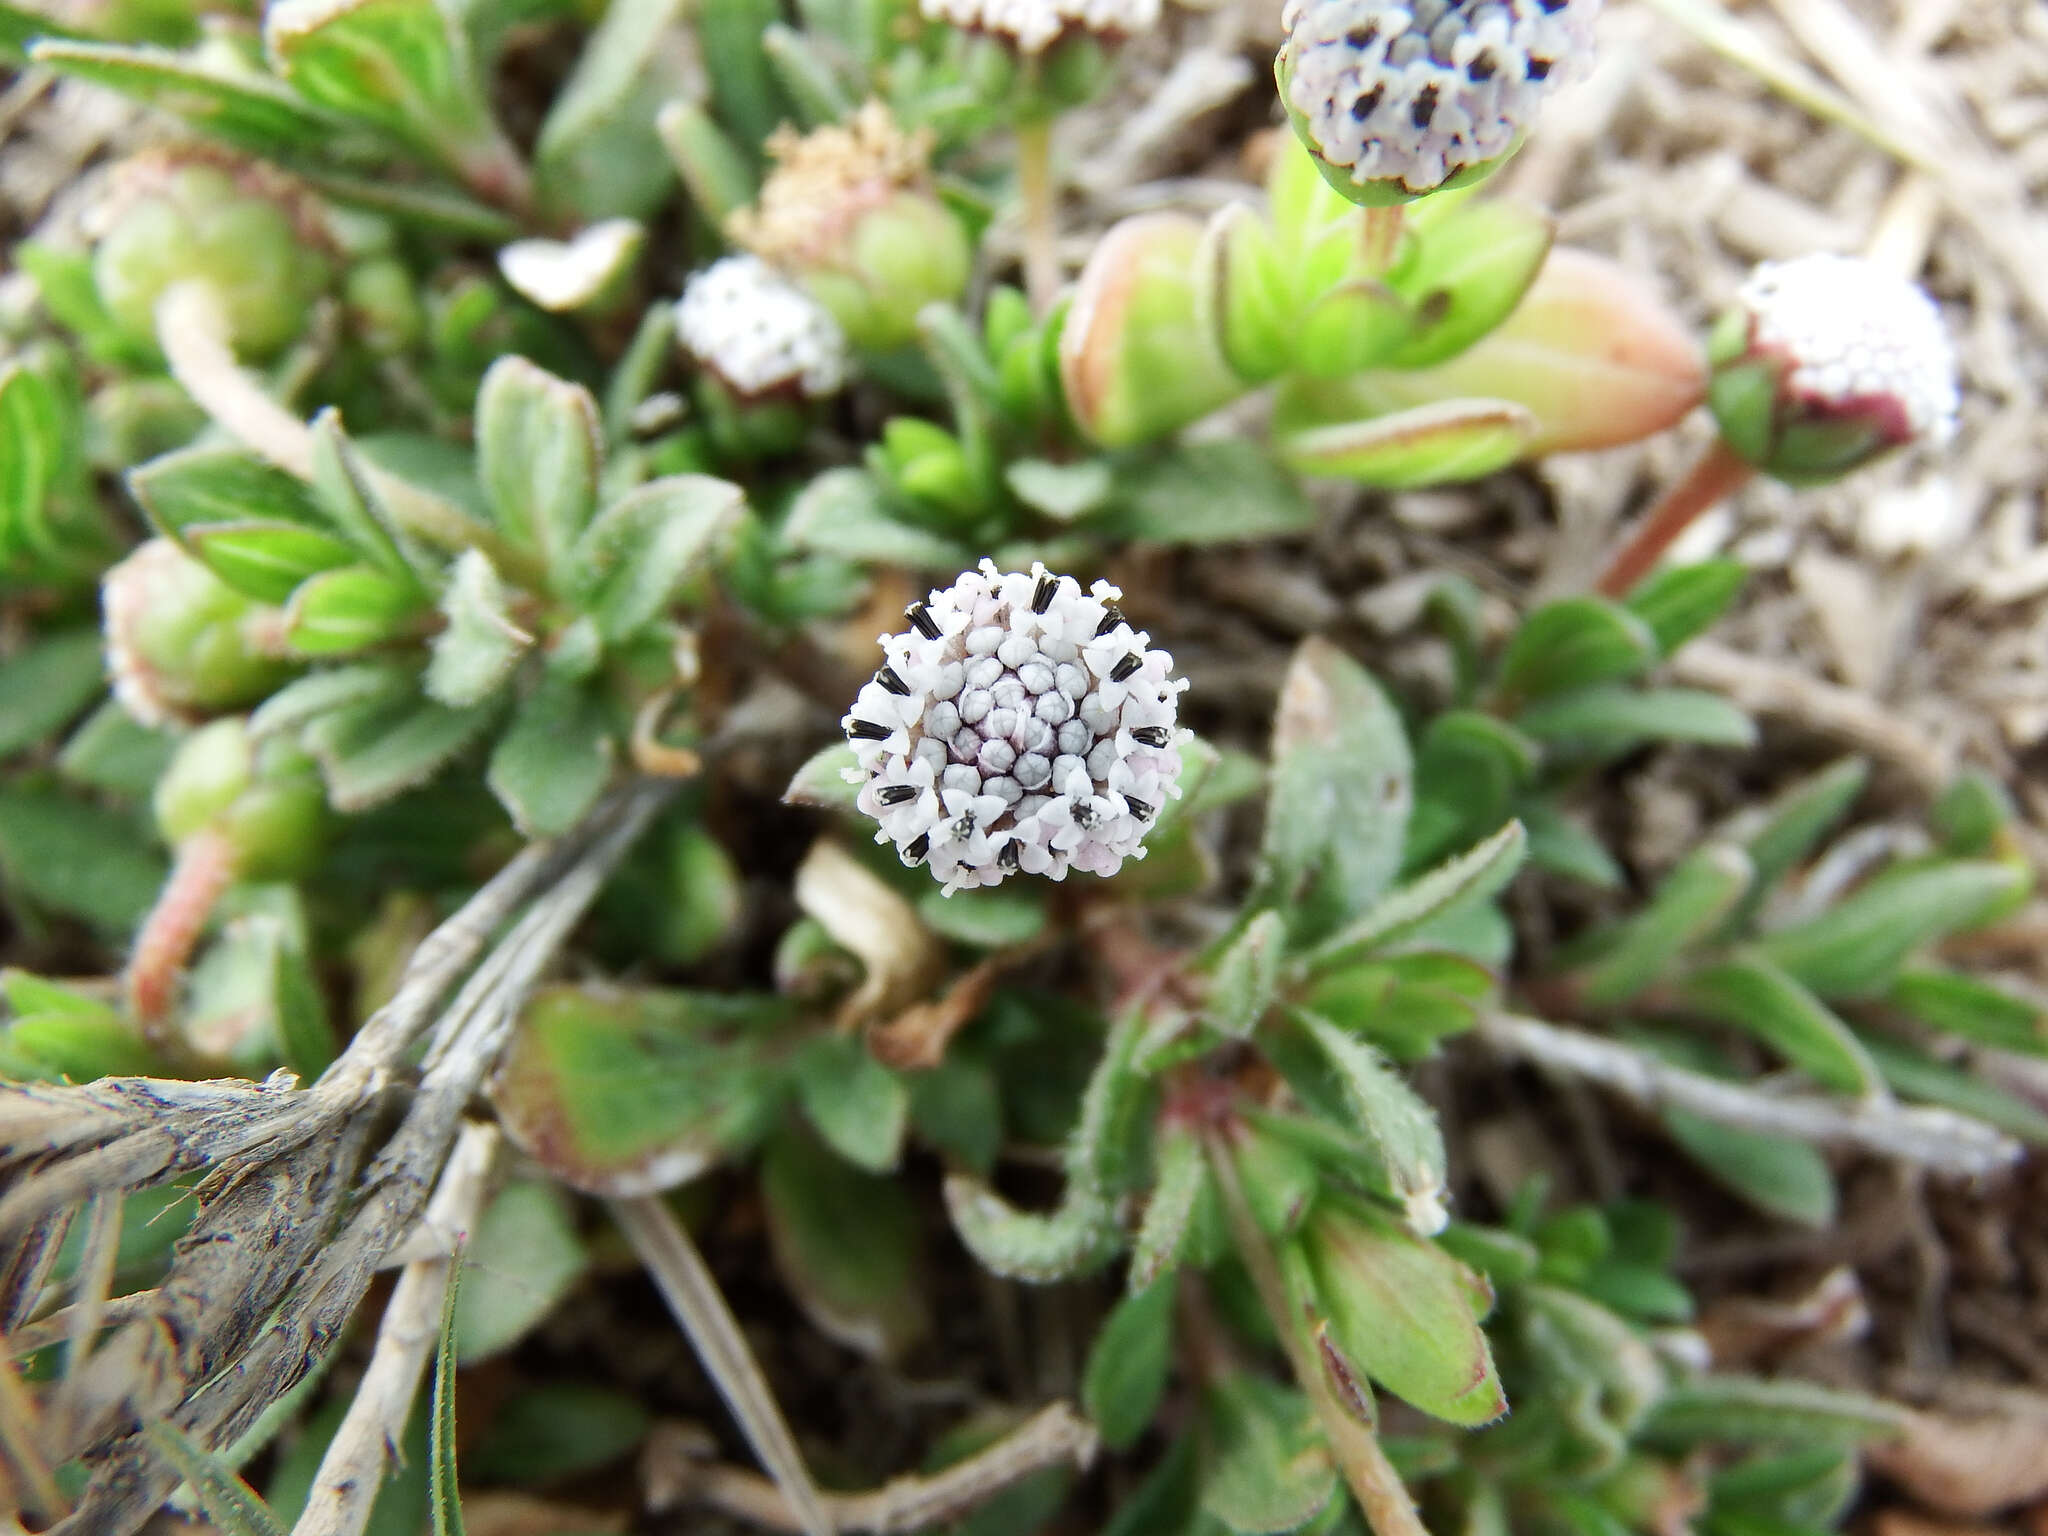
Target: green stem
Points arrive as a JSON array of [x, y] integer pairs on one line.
[[1041, 230], [1373, 1481]]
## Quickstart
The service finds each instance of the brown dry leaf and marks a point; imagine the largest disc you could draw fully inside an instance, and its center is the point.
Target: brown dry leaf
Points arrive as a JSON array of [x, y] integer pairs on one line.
[[1907, 1522], [1969, 1466], [1747, 1331], [916, 1039], [903, 957]]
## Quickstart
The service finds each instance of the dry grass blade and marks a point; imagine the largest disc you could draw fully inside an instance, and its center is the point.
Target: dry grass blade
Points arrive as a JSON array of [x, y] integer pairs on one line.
[[365, 1443], [1936, 1139], [679, 1270], [1054, 1436]]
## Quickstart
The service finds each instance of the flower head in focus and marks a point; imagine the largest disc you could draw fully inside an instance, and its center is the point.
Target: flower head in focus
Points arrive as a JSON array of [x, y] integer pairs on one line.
[[1019, 724], [1826, 361], [1396, 100], [759, 333]]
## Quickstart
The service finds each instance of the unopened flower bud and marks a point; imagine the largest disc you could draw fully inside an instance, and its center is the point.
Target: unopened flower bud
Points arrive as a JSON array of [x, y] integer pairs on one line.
[[250, 233], [1019, 724], [181, 643], [759, 334], [1033, 26], [262, 796], [1825, 362], [1397, 100], [383, 305], [850, 212]]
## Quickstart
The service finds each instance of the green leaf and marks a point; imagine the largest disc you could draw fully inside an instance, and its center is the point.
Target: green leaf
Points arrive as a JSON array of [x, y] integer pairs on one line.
[[1470, 271], [402, 65], [858, 1105], [743, 87], [957, 1107], [76, 859], [1352, 325], [445, 1488], [1738, 1410], [604, 114], [1972, 814], [1560, 845], [1398, 1309], [1784, 1178], [1782, 833], [1401, 1129], [820, 781], [1477, 874], [39, 442], [243, 107], [115, 752], [44, 685], [1265, 1467], [1972, 1009], [477, 649], [1224, 492], [842, 512], [539, 449], [1337, 809], [1441, 443], [549, 768], [846, 1243], [1470, 771], [1611, 719], [1062, 492], [522, 1258], [559, 1430], [1638, 1291], [1177, 1186], [1572, 643], [1678, 602], [624, 1093], [341, 612], [68, 1046], [1918, 1076], [807, 77], [203, 486], [229, 1503], [638, 552], [1858, 945], [718, 175], [343, 486], [264, 560], [300, 702], [1687, 908], [381, 746], [1128, 1364], [1753, 995], [989, 918], [1247, 977]]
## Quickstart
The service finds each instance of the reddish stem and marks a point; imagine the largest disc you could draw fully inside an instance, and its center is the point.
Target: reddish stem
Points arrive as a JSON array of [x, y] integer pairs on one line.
[[1718, 473], [201, 873]]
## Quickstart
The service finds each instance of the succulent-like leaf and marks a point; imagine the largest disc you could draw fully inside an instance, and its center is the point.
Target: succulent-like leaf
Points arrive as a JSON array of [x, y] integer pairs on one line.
[[1243, 292], [40, 437], [539, 449], [1323, 433], [1354, 325], [1471, 269]]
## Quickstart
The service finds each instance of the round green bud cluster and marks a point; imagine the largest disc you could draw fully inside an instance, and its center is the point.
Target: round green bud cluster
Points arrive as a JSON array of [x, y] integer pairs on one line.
[[181, 643], [243, 229], [262, 795]]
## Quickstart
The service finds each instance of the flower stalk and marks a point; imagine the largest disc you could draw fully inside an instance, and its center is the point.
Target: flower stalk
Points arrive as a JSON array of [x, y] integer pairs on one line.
[[1715, 476]]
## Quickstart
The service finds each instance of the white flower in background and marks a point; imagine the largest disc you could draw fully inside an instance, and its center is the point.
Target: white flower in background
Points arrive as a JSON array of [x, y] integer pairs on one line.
[[1414, 93], [1019, 724], [1035, 25], [759, 332], [1855, 339]]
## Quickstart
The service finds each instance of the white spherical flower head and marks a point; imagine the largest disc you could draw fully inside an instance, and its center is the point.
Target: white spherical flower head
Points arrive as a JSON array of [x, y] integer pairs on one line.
[[1406, 96], [1855, 340], [1032, 26], [759, 332], [1018, 724]]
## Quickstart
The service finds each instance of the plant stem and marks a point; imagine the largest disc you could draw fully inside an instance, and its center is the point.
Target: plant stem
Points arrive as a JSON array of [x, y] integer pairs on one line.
[[1717, 474], [1041, 231], [192, 329], [1373, 1481], [202, 871], [1380, 236]]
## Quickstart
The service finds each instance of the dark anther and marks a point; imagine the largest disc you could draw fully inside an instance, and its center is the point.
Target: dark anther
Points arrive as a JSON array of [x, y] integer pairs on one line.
[[1539, 69], [1150, 735], [1086, 816], [1139, 808], [1007, 856], [867, 730], [1111, 617], [1425, 106], [1126, 667], [921, 618], [896, 794], [1480, 69], [1361, 37], [1367, 104], [888, 679], [917, 848], [1048, 588]]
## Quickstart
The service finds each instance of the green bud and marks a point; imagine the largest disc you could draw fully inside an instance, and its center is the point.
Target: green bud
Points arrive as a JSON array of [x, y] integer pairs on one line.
[[264, 797], [136, 418], [1826, 362], [384, 306], [242, 228], [1137, 355], [181, 643]]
